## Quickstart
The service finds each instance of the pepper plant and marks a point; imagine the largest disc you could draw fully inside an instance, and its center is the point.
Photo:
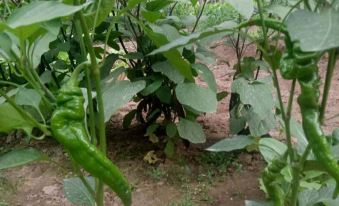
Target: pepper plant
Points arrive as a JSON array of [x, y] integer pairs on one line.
[[292, 167], [60, 79]]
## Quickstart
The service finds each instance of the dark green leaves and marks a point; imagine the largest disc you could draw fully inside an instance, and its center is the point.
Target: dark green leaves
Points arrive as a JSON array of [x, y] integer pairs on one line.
[[256, 94], [231, 144], [314, 197], [315, 31], [168, 70], [40, 11], [118, 94], [184, 40], [173, 56], [196, 97], [244, 7], [192, 131], [77, 193], [259, 115]]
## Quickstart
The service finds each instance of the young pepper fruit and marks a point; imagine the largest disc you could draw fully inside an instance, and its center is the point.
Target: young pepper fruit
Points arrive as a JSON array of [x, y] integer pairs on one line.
[[305, 65], [68, 128]]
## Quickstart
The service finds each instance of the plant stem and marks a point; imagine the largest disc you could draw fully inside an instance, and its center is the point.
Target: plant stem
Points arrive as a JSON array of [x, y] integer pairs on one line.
[[295, 166], [199, 16], [29, 76], [9, 83], [101, 119], [88, 84], [329, 74], [285, 116], [82, 178]]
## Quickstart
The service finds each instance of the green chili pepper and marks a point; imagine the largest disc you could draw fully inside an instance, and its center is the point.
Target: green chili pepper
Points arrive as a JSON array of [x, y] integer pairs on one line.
[[308, 78], [287, 67], [269, 177], [68, 128], [308, 101]]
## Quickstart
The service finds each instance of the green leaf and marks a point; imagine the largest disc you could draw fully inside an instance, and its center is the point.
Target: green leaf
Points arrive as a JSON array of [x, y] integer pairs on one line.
[[40, 46], [257, 94], [10, 119], [199, 98], [164, 93], [134, 55], [169, 148], [237, 122], [255, 203], [151, 88], [29, 97], [19, 157], [77, 193], [182, 41], [9, 46], [167, 30], [99, 9], [244, 7], [173, 55], [40, 11], [207, 75], [315, 31], [157, 5], [171, 129], [126, 122], [335, 135], [119, 93], [151, 16], [278, 9], [314, 197], [133, 3], [260, 124], [297, 132], [152, 129], [9, 94], [233, 143], [192, 131], [221, 95], [168, 70], [271, 148]]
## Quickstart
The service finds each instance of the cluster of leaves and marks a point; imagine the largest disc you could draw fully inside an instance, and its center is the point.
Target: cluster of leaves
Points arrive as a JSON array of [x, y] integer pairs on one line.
[[314, 185], [213, 14], [42, 43]]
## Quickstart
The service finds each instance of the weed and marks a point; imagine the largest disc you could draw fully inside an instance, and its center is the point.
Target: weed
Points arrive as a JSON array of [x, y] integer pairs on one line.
[[187, 200], [157, 173], [219, 160]]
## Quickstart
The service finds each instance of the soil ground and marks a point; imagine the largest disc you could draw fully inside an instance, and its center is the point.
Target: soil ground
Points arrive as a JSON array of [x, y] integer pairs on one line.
[[193, 177]]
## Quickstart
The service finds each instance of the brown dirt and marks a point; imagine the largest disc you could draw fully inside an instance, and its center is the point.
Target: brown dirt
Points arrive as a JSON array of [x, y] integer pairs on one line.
[[185, 180]]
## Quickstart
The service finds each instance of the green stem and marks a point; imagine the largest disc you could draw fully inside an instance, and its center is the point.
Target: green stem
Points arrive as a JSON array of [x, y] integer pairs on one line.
[[42, 86], [199, 16], [285, 116], [288, 117], [329, 74], [96, 75], [295, 166], [82, 178], [28, 75], [263, 24], [96, 17], [88, 83], [9, 83]]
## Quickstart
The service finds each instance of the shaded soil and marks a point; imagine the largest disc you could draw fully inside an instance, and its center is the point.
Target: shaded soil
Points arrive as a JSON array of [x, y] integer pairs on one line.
[[192, 177]]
